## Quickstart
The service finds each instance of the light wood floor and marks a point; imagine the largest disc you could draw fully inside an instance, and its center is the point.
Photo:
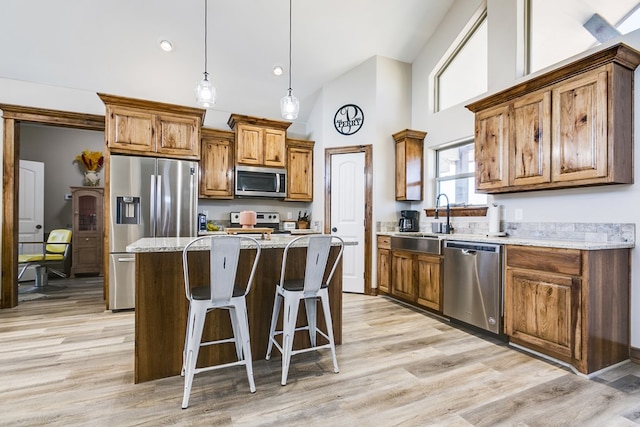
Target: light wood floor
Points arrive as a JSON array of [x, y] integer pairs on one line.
[[64, 361]]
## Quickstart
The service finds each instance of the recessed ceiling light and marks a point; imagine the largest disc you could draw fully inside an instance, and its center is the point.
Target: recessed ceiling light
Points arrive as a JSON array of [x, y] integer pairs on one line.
[[166, 45], [278, 70]]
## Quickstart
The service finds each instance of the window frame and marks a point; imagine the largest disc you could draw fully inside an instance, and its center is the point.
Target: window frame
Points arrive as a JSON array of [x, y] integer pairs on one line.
[[464, 175], [481, 19]]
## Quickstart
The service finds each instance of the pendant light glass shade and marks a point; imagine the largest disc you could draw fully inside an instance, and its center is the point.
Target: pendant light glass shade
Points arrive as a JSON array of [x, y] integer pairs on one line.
[[289, 104], [205, 91]]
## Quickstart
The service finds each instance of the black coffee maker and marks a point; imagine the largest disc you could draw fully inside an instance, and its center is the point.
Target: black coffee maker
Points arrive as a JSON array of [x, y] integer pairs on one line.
[[409, 221]]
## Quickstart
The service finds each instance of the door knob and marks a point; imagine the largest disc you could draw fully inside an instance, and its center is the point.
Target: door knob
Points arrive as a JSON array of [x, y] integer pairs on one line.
[[38, 227], [334, 229]]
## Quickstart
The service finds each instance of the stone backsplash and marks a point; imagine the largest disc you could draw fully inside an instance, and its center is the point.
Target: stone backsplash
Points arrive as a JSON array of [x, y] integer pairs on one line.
[[579, 231]]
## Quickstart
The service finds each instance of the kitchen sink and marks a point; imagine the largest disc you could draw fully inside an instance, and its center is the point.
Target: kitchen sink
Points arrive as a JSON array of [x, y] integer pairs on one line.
[[422, 242]]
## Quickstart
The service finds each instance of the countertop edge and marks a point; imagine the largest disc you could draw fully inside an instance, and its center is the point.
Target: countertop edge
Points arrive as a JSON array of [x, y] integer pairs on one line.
[[177, 244], [520, 241]]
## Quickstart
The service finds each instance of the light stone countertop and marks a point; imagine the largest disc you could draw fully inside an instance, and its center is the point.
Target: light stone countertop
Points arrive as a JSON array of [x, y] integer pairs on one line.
[[177, 244], [506, 240]]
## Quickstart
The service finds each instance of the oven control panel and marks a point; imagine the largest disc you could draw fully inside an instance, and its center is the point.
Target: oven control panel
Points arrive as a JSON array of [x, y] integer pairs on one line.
[[264, 219]]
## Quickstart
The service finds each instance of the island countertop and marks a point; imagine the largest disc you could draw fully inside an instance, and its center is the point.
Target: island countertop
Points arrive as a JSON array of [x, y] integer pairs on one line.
[[177, 244]]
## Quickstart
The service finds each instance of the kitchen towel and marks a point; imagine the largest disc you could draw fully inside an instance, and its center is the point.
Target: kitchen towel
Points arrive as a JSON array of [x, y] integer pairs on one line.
[[494, 219]]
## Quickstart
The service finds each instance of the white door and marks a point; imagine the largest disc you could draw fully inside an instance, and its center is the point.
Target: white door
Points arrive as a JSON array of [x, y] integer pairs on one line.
[[347, 215], [31, 209]]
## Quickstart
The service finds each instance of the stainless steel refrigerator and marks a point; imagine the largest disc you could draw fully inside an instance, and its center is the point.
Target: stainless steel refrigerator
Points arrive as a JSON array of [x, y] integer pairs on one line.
[[149, 198]]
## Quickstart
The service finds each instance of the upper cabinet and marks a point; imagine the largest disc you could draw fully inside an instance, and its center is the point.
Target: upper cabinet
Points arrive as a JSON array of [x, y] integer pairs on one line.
[[409, 145], [259, 142], [569, 127], [149, 128], [216, 165], [299, 170]]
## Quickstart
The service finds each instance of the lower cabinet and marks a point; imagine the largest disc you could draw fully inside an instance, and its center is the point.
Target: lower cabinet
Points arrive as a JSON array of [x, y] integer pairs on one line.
[[384, 263], [429, 279], [402, 277], [569, 304], [417, 278]]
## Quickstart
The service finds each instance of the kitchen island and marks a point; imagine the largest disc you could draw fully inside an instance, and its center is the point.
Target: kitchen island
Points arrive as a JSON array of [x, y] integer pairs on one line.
[[162, 307]]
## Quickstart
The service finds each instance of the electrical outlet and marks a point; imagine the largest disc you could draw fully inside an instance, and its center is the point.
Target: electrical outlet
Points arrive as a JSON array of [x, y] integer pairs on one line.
[[518, 214], [289, 215]]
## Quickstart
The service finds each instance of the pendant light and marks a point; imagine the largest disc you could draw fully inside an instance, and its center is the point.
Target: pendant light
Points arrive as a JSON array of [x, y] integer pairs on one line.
[[289, 105], [205, 91]]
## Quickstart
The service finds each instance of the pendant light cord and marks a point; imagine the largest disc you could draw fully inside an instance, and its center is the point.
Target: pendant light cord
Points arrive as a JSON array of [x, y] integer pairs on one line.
[[290, 47], [205, 37]]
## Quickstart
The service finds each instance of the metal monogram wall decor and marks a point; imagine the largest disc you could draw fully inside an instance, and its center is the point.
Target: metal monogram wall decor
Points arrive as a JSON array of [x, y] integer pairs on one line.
[[348, 119]]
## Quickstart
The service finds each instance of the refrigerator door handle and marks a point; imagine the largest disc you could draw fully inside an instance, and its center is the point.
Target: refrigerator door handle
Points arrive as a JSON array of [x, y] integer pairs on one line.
[[152, 204], [126, 259], [159, 210]]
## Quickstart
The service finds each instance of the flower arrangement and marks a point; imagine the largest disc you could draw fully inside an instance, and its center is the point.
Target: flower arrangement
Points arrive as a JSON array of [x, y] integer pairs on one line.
[[92, 160]]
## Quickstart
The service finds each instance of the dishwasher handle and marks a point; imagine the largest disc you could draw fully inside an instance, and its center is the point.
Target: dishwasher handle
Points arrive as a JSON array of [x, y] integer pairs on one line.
[[472, 247], [468, 252]]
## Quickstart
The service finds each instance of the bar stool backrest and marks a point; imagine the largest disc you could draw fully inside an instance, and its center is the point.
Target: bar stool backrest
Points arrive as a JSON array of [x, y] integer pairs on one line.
[[224, 255], [223, 264], [316, 262]]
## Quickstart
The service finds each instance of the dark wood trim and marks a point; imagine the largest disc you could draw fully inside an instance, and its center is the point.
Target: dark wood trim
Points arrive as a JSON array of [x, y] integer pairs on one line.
[[368, 212], [14, 115], [53, 117], [459, 211], [11, 157], [634, 354]]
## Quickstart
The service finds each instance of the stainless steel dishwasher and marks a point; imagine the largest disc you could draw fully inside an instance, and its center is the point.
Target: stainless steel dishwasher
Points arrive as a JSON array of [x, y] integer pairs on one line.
[[473, 284]]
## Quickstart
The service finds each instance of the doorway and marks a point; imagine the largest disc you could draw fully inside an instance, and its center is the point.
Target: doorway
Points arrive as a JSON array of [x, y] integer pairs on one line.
[[12, 117], [354, 155]]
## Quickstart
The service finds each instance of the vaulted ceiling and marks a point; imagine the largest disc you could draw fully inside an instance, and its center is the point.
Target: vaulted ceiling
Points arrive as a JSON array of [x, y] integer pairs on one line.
[[113, 46]]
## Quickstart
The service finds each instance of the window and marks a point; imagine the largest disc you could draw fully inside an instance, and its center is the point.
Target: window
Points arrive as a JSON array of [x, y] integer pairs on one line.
[[453, 82], [558, 30], [455, 167]]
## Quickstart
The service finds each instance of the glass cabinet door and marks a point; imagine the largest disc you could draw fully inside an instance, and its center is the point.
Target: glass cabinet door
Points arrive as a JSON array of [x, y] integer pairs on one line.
[[87, 213]]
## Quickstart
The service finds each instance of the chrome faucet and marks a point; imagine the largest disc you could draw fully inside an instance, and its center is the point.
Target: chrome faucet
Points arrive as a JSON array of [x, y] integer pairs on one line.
[[448, 228]]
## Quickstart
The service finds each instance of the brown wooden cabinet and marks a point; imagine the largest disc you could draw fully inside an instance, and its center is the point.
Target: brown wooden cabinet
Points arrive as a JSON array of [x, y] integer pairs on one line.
[[149, 128], [415, 278], [569, 304], [402, 278], [384, 264], [216, 166], [259, 142], [87, 231], [569, 127], [409, 148], [299, 170], [429, 280]]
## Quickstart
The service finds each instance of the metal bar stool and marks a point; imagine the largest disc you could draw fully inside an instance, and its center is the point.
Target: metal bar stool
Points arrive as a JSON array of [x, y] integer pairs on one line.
[[310, 289], [222, 292]]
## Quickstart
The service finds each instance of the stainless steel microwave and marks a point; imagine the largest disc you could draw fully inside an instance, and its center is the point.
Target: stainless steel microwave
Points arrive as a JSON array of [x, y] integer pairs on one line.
[[254, 181]]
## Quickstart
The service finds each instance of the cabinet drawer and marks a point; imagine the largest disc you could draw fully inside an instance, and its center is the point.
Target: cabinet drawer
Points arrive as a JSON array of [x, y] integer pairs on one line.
[[384, 242], [551, 260]]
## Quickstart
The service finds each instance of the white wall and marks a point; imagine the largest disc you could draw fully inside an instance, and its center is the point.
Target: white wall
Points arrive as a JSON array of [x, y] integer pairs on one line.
[[617, 203], [381, 87]]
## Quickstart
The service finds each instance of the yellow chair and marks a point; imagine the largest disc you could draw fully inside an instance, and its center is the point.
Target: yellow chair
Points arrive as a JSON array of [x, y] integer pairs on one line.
[[55, 253]]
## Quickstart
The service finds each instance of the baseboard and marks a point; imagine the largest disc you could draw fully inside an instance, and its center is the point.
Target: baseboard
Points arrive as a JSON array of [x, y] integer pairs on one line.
[[634, 354]]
